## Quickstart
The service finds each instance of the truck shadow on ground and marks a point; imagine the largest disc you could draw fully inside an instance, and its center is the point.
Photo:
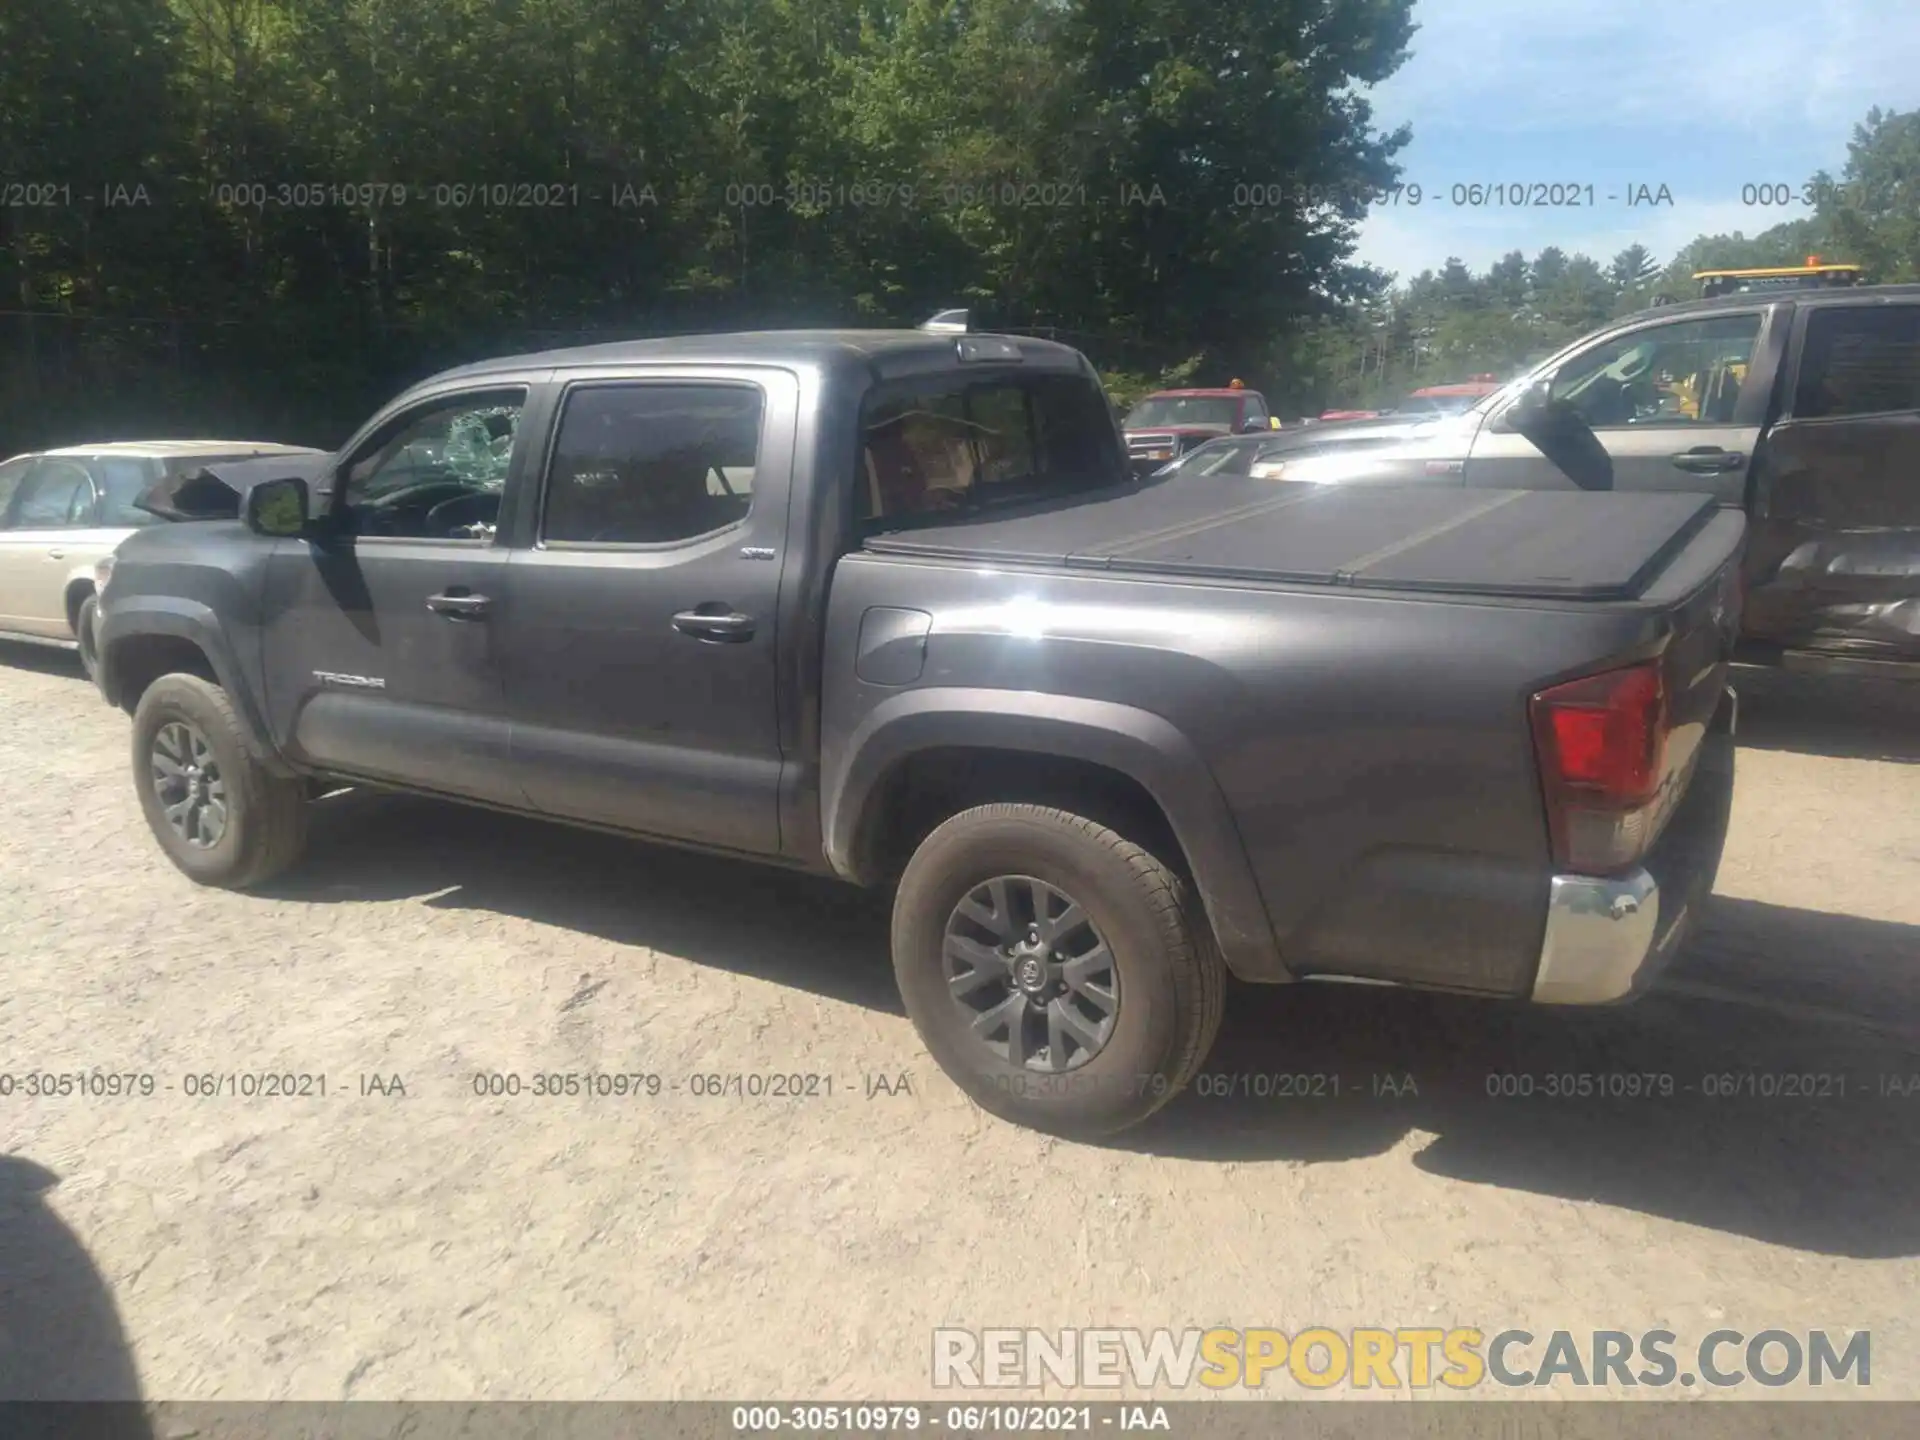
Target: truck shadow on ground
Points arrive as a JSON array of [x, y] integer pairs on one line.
[[1778, 1065], [1815, 715], [788, 928], [61, 1339], [1766, 1000]]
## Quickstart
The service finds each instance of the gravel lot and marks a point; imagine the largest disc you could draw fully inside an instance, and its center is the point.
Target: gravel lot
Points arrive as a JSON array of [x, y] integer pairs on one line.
[[442, 1244]]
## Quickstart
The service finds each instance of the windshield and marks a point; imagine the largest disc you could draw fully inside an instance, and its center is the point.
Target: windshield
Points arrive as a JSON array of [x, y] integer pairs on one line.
[[961, 442], [1214, 410]]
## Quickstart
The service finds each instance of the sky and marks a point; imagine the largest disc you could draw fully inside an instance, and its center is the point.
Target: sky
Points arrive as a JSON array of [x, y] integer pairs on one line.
[[1701, 96]]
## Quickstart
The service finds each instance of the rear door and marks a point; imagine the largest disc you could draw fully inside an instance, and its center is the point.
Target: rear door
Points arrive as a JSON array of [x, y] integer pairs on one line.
[[380, 647], [1674, 405], [50, 511], [1834, 560], [638, 642]]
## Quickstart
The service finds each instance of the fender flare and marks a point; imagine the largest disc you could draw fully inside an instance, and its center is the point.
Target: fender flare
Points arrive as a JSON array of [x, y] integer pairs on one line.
[[1145, 747], [130, 620]]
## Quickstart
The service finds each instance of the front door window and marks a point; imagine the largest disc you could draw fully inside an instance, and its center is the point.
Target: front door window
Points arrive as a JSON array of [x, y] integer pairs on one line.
[[57, 495], [1687, 373], [436, 472]]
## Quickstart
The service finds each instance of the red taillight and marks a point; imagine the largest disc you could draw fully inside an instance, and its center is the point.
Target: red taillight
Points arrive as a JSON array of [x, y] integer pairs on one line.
[[1606, 733], [1602, 749]]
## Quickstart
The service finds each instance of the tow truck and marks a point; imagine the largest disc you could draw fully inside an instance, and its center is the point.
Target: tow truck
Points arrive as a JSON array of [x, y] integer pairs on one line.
[[1816, 274]]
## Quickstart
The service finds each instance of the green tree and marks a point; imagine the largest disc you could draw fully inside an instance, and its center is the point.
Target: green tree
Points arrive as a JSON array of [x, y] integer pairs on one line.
[[1872, 215]]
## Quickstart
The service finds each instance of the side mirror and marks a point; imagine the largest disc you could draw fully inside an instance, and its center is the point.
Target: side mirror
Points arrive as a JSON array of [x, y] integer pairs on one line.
[[278, 508], [1531, 408], [1252, 427]]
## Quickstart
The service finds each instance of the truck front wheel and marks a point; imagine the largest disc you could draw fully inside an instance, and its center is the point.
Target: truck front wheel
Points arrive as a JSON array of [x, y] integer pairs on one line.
[[1058, 972], [222, 817]]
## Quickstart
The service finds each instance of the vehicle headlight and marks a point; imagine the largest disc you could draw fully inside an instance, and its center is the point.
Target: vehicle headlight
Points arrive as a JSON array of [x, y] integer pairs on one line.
[[1159, 454], [102, 573]]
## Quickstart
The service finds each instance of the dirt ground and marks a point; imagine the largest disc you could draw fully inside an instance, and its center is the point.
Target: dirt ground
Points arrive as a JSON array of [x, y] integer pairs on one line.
[[440, 1243]]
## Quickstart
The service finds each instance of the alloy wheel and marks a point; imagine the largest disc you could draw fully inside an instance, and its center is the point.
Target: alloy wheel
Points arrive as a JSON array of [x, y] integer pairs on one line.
[[188, 784], [1033, 977]]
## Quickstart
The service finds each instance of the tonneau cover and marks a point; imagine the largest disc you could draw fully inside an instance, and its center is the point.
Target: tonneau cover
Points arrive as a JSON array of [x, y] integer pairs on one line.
[[1549, 544]]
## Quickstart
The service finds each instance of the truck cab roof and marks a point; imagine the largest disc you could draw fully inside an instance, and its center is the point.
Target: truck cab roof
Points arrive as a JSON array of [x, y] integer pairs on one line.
[[888, 352]]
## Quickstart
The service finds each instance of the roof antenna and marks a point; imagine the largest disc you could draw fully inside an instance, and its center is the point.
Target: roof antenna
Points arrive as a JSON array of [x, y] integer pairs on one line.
[[946, 322]]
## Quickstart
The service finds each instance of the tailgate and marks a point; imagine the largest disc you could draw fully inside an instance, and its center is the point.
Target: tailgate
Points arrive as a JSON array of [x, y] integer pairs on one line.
[[1698, 596]]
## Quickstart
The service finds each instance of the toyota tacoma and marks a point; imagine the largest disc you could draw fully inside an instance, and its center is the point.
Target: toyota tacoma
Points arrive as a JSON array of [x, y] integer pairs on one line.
[[889, 606]]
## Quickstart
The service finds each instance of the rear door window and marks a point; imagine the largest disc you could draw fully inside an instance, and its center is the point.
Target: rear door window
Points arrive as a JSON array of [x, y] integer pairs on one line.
[[122, 481], [1859, 360], [654, 463]]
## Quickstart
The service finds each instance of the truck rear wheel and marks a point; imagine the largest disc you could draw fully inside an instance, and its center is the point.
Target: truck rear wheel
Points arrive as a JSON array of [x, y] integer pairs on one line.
[[222, 817], [1058, 972]]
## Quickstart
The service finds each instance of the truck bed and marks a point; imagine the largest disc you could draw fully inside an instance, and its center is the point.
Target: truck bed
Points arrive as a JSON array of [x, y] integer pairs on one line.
[[1544, 544]]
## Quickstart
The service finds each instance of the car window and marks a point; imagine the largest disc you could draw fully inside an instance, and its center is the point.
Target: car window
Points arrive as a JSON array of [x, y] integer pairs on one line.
[[957, 442], [436, 472], [652, 464], [1860, 361], [1256, 412], [1688, 372], [11, 474], [121, 481], [57, 494]]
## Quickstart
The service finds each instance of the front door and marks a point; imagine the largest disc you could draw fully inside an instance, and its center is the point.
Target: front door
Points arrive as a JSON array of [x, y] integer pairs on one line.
[[638, 643], [1669, 403], [380, 642]]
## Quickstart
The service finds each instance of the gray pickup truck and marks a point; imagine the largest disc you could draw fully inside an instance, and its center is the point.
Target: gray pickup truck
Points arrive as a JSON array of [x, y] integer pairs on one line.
[[889, 606]]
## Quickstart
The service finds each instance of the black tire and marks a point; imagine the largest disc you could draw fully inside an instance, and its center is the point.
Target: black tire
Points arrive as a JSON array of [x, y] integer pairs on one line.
[[1171, 982], [83, 634], [265, 818]]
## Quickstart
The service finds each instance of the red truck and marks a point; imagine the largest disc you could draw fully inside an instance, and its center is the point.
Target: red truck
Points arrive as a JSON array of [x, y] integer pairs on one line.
[[1453, 399], [1168, 423]]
